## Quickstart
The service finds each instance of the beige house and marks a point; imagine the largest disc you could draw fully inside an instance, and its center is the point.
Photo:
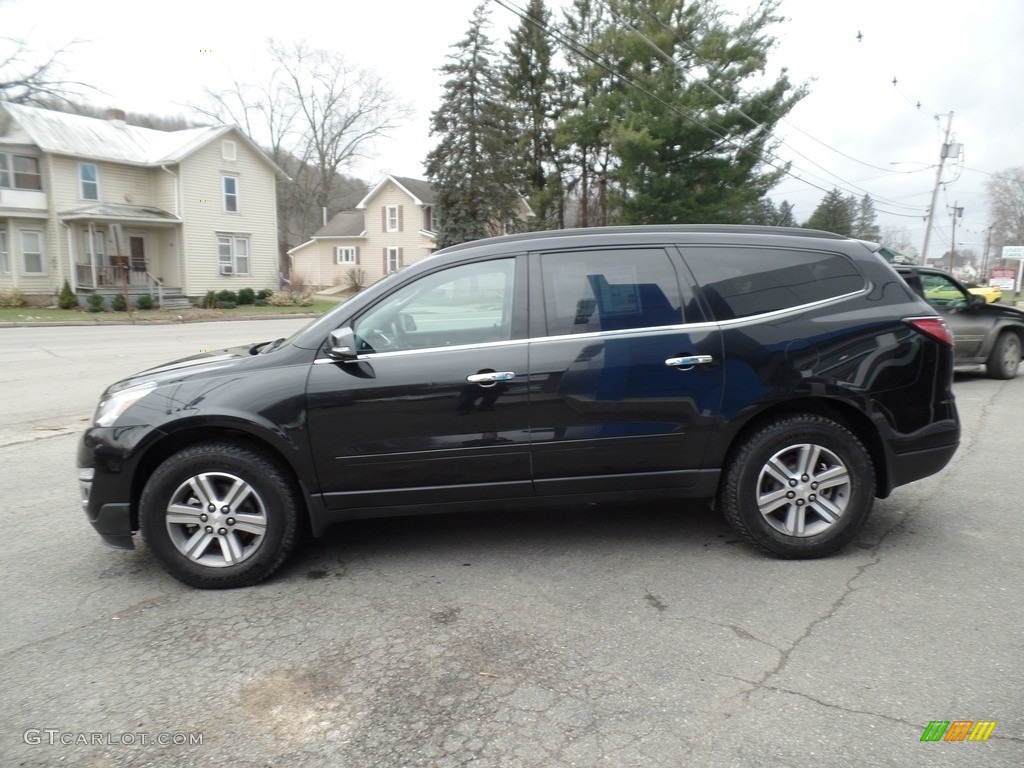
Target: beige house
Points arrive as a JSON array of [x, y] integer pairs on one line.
[[391, 227], [109, 206]]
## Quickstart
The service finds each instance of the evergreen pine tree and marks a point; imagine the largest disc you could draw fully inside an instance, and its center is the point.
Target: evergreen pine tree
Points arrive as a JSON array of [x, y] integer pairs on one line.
[[472, 166]]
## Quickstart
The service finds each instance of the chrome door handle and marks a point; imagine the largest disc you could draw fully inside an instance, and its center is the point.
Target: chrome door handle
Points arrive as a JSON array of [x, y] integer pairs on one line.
[[689, 361], [490, 379]]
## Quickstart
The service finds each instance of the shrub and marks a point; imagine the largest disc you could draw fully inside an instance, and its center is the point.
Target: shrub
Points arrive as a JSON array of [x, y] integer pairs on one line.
[[118, 303], [227, 299], [355, 279], [95, 303], [264, 293], [67, 299], [144, 302], [280, 299], [13, 298], [246, 296]]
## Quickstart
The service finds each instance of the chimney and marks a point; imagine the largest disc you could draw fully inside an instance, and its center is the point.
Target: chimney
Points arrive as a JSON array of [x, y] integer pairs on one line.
[[115, 115]]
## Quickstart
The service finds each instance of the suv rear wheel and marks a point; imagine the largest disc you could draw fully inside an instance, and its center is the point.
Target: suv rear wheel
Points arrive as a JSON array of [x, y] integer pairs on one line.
[[219, 515], [799, 487]]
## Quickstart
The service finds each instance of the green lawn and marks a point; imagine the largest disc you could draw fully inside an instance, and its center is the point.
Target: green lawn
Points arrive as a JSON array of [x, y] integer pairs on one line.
[[20, 315]]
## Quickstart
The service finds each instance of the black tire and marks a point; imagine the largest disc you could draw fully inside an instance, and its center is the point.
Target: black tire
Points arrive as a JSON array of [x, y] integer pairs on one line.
[[219, 515], [799, 487], [1004, 360]]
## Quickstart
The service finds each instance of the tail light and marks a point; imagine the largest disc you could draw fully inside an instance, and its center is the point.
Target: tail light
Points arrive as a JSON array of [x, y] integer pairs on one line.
[[933, 327]]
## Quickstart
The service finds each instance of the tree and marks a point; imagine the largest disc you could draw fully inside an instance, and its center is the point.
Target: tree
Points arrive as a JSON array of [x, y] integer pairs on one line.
[[785, 215], [316, 115], [1006, 199], [581, 132], [533, 87], [30, 77], [688, 120], [472, 167], [835, 213], [864, 225]]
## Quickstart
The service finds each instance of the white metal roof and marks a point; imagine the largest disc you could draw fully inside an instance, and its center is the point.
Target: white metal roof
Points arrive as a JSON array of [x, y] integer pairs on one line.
[[112, 140]]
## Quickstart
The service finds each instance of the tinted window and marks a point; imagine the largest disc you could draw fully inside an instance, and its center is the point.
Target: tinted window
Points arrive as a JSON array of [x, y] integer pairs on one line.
[[468, 304], [590, 291], [739, 282]]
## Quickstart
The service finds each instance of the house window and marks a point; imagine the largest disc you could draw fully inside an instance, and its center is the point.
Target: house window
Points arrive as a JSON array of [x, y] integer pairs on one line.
[[345, 255], [228, 150], [392, 260], [230, 194], [5, 260], [429, 222], [20, 172], [391, 221], [233, 255], [31, 252], [89, 179], [95, 248]]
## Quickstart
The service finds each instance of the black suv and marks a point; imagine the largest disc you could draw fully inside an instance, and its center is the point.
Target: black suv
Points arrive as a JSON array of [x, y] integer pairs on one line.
[[790, 374]]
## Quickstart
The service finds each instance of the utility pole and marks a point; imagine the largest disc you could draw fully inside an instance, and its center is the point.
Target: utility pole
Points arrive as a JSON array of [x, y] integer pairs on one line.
[[957, 212], [935, 190]]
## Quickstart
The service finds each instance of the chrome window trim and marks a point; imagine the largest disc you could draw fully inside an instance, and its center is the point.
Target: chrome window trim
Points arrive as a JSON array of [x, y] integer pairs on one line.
[[706, 325]]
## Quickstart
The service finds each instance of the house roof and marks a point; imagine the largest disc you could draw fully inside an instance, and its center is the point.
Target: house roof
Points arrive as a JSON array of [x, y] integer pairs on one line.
[[344, 224], [422, 192], [115, 141]]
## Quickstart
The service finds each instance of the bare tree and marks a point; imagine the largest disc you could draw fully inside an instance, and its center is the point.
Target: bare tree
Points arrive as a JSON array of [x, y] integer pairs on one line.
[[1006, 201], [316, 115], [31, 77]]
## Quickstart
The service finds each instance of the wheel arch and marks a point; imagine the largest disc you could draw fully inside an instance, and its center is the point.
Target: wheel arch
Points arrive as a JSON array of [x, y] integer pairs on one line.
[[843, 413], [185, 437]]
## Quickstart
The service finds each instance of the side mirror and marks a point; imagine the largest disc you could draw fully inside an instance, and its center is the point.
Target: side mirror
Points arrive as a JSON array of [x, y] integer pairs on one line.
[[341, 344], [976, 301]]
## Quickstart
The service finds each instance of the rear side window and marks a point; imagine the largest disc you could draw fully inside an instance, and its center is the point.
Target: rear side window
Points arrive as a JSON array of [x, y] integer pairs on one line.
[[609, 290], [740, 282]]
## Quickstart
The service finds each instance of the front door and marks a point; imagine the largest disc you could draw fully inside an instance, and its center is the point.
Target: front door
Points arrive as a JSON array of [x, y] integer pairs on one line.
[[623, 393], [435, 408]]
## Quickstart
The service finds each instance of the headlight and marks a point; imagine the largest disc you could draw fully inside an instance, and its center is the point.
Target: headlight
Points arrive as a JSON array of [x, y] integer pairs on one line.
[[114, 405]]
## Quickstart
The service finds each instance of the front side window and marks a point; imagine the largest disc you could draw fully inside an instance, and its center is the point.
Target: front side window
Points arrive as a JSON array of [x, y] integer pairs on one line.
[[740, 282], [591, 291], [941, 292], [32, 252], [468, 304], [230, 184], [233, 255], [88, 176]]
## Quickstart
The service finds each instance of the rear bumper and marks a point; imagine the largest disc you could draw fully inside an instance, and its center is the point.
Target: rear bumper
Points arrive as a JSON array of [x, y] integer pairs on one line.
[[914, 465]]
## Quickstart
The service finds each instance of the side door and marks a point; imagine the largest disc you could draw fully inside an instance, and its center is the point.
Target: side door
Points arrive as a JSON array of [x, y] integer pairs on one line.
[[433, 406], [969, 324], [625, 378]]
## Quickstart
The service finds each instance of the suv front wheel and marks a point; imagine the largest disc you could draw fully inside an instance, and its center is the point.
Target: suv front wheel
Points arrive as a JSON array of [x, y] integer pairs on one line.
[[799, 487], [219, 515]]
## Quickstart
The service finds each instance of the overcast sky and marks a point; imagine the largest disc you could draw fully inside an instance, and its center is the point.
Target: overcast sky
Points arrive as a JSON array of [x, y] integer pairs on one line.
[[946, 56]]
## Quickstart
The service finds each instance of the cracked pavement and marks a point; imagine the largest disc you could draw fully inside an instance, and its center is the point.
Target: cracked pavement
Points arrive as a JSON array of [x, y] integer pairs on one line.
[[615, 636]]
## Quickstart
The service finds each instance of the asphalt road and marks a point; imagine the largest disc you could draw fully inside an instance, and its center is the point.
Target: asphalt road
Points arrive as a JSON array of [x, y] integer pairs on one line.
[[620, 636]]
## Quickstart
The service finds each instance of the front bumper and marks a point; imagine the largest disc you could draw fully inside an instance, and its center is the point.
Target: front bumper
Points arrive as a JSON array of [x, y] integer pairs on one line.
[[107, 459]]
